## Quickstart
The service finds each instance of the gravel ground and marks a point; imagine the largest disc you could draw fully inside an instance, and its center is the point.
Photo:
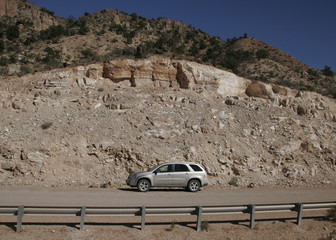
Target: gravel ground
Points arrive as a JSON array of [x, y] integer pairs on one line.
[[309, 229]]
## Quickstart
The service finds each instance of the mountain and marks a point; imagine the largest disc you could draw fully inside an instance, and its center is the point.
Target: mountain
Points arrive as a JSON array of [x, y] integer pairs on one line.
[[33, 39]]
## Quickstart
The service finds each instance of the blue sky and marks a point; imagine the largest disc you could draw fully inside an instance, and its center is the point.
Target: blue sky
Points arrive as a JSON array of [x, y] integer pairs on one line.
[[305, 29]]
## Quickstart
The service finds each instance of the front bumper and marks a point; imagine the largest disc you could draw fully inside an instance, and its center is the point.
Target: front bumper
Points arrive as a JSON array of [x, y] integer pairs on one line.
[[131, 181]]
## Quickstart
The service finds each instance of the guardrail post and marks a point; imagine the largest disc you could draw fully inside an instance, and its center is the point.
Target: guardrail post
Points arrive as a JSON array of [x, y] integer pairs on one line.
[[83, 209], [143, 217], [299, 209], [19, 218], [199, 217], [252, 215]]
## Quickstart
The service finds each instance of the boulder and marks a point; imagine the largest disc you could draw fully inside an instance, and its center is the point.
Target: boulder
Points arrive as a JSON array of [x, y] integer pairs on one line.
[[257, 90]]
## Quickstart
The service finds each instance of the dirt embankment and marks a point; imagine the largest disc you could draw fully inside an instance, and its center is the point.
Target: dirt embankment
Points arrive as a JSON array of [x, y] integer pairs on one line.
[[73, 127]]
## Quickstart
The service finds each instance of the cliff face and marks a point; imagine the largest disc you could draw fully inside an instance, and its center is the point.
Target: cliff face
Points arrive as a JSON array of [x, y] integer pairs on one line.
[[24, 10], [92, 125], [164, 72], [8, 8]]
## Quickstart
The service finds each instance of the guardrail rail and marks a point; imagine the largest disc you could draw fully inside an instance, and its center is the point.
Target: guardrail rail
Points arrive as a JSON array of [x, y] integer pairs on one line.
[[144, 211]]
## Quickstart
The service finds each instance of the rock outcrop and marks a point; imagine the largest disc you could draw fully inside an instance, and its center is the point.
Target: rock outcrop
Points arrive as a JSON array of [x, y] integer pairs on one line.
[[25, 10], [164, 72]]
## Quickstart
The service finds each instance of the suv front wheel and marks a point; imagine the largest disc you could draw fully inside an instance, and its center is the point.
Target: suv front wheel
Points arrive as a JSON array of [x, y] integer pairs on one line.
[[143, 185], [194, 185]]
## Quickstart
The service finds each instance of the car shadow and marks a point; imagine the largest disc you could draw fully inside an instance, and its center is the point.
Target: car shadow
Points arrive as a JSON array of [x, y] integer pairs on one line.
[[155, 190]]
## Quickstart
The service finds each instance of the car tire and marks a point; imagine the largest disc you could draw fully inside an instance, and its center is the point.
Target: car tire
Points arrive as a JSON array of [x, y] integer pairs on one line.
[[143, 185], [194, 185]]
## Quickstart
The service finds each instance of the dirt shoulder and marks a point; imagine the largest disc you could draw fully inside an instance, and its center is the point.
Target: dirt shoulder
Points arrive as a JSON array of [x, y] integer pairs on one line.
[[274, 229]]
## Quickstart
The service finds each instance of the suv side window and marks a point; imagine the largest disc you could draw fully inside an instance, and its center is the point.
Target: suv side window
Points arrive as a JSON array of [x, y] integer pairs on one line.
[[166, 168], [181, 168], [196, 168]]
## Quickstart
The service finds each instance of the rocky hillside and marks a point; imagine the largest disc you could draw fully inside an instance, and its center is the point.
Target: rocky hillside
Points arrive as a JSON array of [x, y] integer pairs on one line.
[[92, 125], [33, 39], [85, 102]]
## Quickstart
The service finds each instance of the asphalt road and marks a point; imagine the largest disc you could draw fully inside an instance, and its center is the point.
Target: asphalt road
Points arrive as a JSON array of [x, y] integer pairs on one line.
[[158, 197]]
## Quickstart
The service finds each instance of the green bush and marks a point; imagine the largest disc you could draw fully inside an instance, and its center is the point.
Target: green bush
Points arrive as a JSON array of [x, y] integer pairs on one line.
[[30, 39], [129, 36], [233, 58], [3, 61], [83, 29], [53, 32], [194, 50], [70, 21], [262, 53], [89, 54], [12, 58], [12, 32], [234, 181], [52, 57], [134, 17]]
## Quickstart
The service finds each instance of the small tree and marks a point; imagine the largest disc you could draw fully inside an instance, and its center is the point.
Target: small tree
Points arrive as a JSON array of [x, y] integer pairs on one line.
[[327, 71]]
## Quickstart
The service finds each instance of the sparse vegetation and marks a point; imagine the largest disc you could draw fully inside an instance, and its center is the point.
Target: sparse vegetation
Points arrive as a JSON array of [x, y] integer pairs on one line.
[[43, 9], [89, 55], [205, 226], [331, 215], [172, 226], [52, 57], [234, 182]]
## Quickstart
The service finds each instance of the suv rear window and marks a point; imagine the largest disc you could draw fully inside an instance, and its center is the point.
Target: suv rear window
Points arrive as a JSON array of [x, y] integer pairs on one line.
[[181, 168], [196, 168]]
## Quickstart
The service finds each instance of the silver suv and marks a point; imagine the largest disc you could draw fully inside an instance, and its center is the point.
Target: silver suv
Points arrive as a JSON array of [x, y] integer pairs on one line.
[[177, 174]]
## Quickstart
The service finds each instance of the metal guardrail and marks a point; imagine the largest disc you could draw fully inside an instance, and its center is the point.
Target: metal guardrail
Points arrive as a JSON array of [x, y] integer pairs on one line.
[[143, 211]]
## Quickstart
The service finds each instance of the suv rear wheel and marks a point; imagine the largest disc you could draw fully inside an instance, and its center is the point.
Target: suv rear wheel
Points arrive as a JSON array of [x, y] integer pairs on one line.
[[194, 185], [143, 185]]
